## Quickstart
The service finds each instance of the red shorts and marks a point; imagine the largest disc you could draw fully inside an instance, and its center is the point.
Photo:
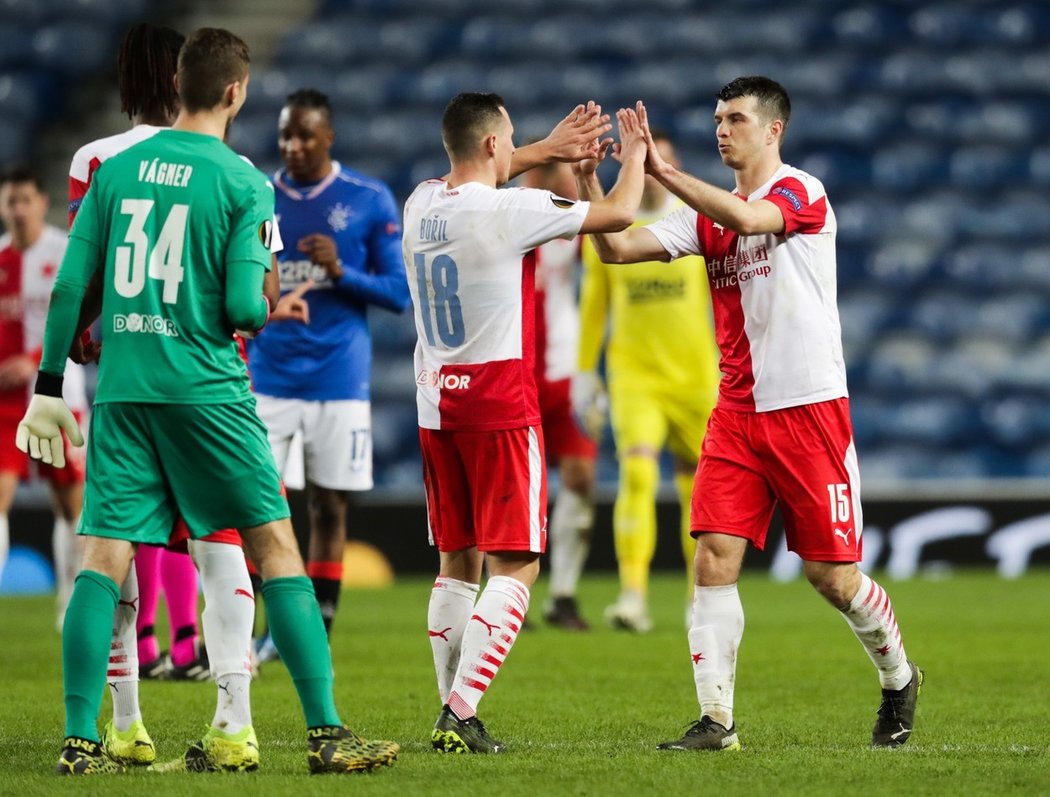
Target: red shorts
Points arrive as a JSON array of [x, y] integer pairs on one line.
[[180, 536], [800, 458], [14, 461], [485, 489], [562, 436]]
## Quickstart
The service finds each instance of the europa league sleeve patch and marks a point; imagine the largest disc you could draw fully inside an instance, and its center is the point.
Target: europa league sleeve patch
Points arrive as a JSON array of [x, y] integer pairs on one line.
[[266, 233], [564, 204]]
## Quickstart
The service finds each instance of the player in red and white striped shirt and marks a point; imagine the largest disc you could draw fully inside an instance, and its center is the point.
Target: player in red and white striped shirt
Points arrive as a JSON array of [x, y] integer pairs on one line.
[[464, 243], [780, 433], [30, 253]]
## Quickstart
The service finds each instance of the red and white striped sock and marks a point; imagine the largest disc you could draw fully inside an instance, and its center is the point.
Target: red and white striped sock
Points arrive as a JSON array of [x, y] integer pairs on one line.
[[870, 615], [491, 630], [714, 638], [451, 604], [122, 675]]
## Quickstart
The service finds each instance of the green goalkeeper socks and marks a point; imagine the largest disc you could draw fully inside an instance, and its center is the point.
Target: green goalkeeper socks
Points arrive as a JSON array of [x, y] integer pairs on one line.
[[86, 635], [298, 632]]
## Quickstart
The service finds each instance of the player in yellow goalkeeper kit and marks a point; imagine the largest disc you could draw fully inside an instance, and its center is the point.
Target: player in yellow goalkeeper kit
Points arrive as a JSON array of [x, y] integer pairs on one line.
[[661, 364]]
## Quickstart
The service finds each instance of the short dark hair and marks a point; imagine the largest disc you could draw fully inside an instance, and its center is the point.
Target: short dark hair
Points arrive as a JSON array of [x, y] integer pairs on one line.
[[771, 96], [467, 118], [21, 173], [146, 65], [309, 98], [210, 60]]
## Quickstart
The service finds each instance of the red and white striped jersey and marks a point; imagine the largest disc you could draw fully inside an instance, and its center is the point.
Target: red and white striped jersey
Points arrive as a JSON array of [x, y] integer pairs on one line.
[[26, 279], [90, 156], [774, 297], [557, 315], [473, 295]]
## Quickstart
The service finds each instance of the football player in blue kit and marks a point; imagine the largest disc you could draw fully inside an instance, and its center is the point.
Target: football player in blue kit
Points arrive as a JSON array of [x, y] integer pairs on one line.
[[342, 233]]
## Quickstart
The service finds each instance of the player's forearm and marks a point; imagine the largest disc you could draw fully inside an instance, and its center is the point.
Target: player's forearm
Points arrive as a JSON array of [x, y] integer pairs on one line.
[[246, 306], [61, 328], [272, 284], [389, 291], [717, 204], [528, 157], [91, 304], [79, 270], [590, 188]]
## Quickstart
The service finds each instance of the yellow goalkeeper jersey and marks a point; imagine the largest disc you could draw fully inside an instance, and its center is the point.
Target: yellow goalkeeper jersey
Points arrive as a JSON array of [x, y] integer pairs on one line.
[[658, 318]]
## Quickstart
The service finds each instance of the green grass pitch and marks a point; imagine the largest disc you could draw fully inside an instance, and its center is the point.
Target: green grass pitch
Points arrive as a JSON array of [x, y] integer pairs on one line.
[[581, 713]]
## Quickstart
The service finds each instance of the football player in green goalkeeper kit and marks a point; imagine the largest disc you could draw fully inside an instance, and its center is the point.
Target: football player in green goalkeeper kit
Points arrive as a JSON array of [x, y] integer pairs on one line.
[[180, 226]]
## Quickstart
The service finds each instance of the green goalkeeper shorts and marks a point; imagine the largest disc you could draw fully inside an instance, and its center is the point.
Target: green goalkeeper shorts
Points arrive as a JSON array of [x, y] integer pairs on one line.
[[149, 463]]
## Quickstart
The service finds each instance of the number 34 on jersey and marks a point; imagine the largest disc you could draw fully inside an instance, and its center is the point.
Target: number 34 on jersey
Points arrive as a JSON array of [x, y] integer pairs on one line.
[[137, 258]]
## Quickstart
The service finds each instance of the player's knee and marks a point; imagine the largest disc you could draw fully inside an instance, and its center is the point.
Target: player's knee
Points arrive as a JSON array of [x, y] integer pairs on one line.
[[837, 582], [327, 511], [639, 475], [577, 474]]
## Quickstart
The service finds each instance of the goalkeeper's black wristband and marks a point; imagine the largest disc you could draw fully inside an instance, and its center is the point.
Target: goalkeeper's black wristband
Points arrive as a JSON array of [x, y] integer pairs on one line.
[[48, 384]]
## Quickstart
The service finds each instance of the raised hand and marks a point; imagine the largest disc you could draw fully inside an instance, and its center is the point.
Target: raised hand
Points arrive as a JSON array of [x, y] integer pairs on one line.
[[322, 250], [654, 163], [633, 138], [578, 135], [292, 306]]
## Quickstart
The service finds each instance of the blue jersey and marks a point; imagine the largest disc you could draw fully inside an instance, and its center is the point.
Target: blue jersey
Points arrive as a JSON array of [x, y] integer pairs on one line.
[[331, 357]]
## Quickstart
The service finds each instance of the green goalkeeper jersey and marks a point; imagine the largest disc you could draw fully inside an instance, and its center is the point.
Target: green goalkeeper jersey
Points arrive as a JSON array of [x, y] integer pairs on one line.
[[181, 227]]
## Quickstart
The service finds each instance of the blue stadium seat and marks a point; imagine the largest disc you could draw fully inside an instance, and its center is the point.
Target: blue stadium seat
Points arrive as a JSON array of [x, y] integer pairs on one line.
[[1014, 421], [15, 46], [903, 263], [864, 314], [930, 421], [896, 462], [1037, 462], [25, 14], [71, 48], [21, 98], [868, 26], [972, 368], [948, 25], [987, 166], [838, 168], [900, 364], [908, 165]]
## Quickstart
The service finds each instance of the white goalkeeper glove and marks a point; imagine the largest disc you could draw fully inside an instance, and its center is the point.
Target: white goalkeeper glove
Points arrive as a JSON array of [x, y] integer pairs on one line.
[[590, 403], [40, 431]]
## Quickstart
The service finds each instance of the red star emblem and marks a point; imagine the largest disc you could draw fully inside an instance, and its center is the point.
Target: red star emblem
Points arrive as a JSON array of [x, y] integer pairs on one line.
[[883, 650], [698, 657], [49, 270]]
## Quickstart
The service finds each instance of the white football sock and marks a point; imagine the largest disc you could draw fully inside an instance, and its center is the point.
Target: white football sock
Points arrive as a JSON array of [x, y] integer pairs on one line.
[[870, 615], [718, 627], [66, 551], [570, 540], [491, 630], [123, 673], [451, 604], [227, 620]]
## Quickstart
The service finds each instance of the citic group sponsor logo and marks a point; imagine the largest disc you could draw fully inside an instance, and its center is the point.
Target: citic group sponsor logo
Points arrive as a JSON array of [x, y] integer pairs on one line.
[[744, 266], [443, 381], [145, 324]]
